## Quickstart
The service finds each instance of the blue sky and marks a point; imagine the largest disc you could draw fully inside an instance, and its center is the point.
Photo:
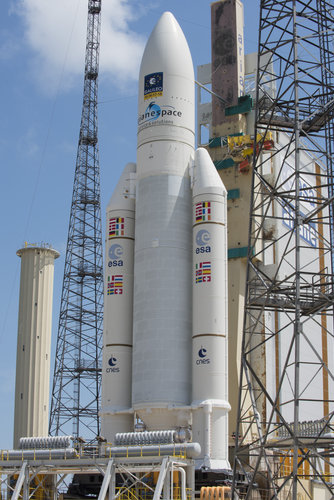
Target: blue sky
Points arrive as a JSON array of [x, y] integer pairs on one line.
[[42, 48]]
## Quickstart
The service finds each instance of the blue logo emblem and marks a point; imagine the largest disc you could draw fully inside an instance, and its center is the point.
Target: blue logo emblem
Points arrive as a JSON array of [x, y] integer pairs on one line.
[[112, 361], [152, 112], [115, 251], [202, 355], [202, 237], [153, 85], [202, 352]]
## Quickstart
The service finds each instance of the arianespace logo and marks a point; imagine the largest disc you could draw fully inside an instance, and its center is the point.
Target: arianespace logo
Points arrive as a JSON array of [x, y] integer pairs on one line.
[[202, 357], [154, 111], [202, 241], [113, 368]]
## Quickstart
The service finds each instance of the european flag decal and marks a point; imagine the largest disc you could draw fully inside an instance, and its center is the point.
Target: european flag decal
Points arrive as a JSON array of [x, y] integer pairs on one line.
[[153, 85]]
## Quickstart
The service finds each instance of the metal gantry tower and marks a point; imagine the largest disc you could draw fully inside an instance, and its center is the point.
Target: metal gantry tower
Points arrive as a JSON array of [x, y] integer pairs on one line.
[[77, 372], [284, 437]]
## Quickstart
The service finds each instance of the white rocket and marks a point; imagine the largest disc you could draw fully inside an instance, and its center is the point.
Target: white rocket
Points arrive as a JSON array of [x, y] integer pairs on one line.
[[165, 299]]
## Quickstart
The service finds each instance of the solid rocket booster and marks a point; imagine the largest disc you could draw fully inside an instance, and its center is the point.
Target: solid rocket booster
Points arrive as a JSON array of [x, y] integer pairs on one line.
[[165, 360], [209, 338], [116, 410]]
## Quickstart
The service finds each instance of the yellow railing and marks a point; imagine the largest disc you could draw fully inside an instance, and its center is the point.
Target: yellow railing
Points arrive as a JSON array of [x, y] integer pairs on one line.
[[181, 453], [5, 455], [305, 470]]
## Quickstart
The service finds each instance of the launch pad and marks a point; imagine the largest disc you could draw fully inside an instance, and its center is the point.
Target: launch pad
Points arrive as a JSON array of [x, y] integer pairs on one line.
[[123, 477]]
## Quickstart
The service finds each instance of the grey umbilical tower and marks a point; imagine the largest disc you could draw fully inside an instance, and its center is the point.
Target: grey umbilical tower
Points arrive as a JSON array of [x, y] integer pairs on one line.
[[77, 373]]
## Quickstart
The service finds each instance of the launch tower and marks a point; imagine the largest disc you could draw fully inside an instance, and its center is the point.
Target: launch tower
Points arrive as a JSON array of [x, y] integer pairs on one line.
[[285, 414], [76, 382]]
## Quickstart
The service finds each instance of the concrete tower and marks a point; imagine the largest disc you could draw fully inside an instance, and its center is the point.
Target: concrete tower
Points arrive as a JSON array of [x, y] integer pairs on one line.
[[34, 342]]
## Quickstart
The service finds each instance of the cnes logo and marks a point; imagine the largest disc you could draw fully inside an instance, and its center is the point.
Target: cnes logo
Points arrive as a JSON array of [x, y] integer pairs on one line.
[[112, 362], [202, 357]]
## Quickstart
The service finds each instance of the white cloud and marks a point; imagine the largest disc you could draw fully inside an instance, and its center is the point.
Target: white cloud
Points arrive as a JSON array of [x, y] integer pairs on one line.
[[56, 33]]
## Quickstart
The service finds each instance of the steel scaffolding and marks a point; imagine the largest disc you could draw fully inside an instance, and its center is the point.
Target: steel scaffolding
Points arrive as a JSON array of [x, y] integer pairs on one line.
[[284, 437], [77, 372]]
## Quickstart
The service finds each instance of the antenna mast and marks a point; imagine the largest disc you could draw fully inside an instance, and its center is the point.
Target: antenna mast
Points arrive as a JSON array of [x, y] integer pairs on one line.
[[77, 372]]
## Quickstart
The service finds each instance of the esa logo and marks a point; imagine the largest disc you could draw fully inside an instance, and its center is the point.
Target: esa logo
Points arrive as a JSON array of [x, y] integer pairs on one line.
[[202, 239], [115, 253], [112, 362], [202, 355]]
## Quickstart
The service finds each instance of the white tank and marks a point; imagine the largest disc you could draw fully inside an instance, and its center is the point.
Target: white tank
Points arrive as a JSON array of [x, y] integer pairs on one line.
[[31, 417], [116, 414], [209, 345], [161, 376]]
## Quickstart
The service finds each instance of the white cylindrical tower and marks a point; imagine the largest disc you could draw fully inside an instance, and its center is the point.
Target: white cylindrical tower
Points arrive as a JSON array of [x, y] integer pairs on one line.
[[161, 380], [34, 342], [116, 415], [210, 374]]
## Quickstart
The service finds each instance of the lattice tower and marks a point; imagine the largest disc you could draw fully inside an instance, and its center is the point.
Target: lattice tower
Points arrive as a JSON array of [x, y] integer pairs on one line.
[[77, 373], [285, 414]]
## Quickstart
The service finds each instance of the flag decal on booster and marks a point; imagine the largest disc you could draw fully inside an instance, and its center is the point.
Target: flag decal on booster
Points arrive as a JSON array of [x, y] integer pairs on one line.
[[115, 285], [203, 211], [116, 227], [203, 272]]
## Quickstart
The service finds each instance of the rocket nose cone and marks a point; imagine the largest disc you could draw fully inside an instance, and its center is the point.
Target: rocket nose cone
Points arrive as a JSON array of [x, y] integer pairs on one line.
[[120, 199], [166, 22], [166, 89], [206, 175], [167, 48]]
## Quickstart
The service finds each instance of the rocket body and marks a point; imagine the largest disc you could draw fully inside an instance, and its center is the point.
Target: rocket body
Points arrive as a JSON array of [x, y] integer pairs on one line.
[[162, 296], [175, 314]]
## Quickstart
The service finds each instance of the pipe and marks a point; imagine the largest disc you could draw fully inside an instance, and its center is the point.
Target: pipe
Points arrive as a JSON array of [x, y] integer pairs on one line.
[[38, 454], [183, 481], [207, 431], [192, 450]]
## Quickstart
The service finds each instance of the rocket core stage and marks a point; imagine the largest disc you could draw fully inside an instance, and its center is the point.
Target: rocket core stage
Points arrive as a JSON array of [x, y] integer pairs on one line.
[[165, 298]]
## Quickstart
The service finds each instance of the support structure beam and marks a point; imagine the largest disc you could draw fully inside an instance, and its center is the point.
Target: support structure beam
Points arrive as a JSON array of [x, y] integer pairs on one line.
[[20, 481], [161, 479], [106, 480]]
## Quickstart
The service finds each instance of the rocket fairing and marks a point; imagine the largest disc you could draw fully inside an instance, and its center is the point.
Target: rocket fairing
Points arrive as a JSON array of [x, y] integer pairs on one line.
[[165, 360]]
